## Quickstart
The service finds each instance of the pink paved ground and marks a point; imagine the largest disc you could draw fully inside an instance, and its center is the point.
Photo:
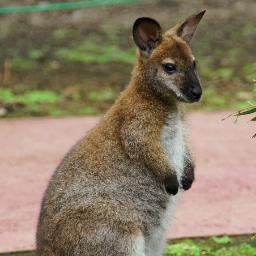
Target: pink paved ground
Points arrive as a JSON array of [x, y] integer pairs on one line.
[[222, 200]]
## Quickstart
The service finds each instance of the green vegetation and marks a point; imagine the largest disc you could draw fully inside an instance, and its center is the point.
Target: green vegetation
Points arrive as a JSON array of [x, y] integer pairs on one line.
[[51, 103], [249, 109], [86, 63], [212, 246], [216, 100], [215, 246], [19, 254], [29, 97], [91, 101], [34, 102], [96, 53]]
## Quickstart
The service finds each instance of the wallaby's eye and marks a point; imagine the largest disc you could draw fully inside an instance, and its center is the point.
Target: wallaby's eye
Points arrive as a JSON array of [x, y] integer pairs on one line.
[[169, 68]]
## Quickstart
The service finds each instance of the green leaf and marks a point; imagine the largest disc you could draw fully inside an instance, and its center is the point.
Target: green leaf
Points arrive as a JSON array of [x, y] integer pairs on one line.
[[222, 240], [246, 112], [187, 248], [253, 119]]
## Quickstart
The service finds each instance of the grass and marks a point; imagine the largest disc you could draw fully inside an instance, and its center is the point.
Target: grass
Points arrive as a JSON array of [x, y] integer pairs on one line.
[[83, 67], [33, 102], [76, 100], [28, 253], [29, 97], [90, 52], [212, 246], [75, 95], [51, 103]]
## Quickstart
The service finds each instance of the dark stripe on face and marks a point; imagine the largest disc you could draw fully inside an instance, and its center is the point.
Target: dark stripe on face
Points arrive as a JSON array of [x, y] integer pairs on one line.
[[192, 86]]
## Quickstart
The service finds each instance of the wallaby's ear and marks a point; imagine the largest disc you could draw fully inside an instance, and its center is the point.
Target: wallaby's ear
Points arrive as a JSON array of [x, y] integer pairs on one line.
[[147, 34], [187, 29]]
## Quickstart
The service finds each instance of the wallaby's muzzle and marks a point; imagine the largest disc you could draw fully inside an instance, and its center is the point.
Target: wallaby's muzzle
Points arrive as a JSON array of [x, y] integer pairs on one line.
[[194, 93], [192, 89]]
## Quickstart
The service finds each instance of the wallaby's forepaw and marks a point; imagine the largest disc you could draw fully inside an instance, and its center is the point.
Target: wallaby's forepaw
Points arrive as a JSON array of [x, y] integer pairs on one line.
[[172, 184], [188, 177], [186, 183]]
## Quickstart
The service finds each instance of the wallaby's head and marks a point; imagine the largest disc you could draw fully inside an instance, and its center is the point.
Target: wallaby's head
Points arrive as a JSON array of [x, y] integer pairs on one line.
[[166, 59]]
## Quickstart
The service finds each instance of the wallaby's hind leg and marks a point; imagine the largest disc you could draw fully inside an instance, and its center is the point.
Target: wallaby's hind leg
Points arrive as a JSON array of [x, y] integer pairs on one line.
[[73, 237], [113, 243]]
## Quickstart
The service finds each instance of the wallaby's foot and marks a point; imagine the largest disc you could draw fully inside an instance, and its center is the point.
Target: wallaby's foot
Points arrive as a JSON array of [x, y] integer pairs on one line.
[[188, 177], [172, 184]]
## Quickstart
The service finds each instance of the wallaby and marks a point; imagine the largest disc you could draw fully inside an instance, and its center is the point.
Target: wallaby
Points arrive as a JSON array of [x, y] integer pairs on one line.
[[115, 192]]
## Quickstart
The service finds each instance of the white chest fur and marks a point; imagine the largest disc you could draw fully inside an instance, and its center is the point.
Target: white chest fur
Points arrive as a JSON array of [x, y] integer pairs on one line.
[[156, 243], [173, 139], [173, 135]]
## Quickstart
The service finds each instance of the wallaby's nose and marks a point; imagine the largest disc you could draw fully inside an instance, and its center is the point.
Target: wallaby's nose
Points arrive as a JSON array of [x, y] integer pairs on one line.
[[196, 92]]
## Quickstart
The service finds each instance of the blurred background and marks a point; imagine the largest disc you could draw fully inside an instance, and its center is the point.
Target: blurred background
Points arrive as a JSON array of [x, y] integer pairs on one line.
[[75, 62]]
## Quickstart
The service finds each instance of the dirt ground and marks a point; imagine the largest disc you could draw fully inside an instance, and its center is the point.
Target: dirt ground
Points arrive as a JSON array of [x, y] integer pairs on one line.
[[221, 201]]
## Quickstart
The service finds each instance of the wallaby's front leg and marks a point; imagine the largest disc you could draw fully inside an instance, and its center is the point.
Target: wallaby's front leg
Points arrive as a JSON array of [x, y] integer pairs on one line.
[[144, 145], [188, 174]]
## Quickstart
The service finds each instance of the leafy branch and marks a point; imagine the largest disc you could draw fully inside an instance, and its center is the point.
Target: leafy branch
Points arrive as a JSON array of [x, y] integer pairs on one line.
[[250, 110]]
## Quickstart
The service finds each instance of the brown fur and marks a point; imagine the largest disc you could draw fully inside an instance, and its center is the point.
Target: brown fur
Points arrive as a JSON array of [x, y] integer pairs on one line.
[[114, 184]]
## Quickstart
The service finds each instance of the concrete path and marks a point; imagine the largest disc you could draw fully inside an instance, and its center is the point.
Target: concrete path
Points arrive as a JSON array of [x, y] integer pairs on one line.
[[222, 200]]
